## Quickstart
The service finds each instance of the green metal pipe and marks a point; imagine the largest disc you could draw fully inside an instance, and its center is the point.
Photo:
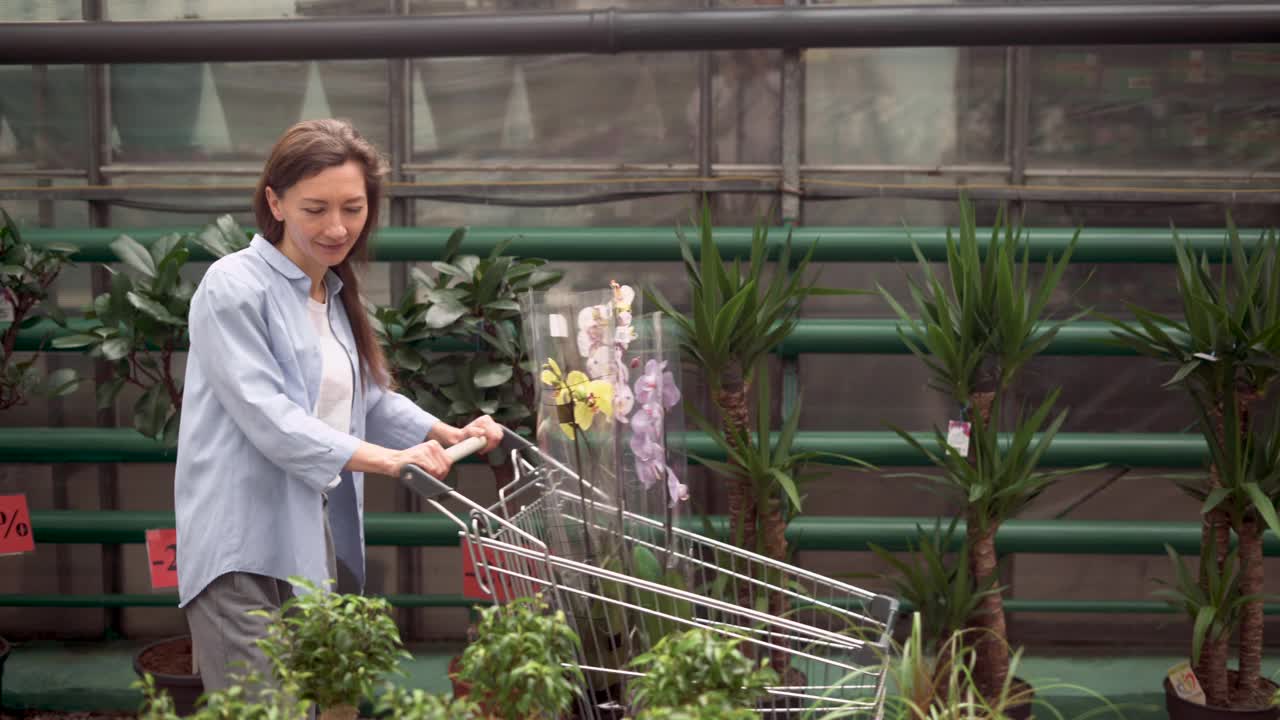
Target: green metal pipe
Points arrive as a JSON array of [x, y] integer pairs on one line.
[[1076, 537], [655, 244], [852, 336], [883, 449]]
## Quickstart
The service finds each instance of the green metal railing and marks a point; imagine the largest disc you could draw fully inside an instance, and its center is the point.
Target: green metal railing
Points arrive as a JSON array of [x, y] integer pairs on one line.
[[884, 449], [655, 244], [836, 336]]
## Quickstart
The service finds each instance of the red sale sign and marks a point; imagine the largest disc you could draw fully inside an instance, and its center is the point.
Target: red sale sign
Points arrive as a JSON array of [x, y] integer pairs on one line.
[[15, 525], [507, 574], [162, 556]]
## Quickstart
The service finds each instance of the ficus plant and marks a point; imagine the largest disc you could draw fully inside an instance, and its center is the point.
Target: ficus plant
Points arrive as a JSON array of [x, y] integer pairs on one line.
[[698, 663], [248, 698], [26, 274], [516, 667], [334, 648], [417, 704], [140, 324], [455, 339]]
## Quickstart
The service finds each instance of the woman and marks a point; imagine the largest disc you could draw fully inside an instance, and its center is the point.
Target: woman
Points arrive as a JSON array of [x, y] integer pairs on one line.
[[286, 403]]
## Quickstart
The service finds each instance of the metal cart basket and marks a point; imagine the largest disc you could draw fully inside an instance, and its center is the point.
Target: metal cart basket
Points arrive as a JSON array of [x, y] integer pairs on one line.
[[623, 580]]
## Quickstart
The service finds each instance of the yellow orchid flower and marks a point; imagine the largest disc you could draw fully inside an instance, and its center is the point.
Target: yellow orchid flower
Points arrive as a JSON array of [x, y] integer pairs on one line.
[[588, 397]]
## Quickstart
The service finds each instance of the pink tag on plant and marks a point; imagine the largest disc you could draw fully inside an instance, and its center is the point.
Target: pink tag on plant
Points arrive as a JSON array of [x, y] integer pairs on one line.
[[958, 436]]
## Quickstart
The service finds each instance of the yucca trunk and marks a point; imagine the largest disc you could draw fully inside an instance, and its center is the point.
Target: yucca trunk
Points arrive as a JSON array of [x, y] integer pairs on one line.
[[731, 399], [991, 666], [773, 529], [1250, 675], [991, 661], [1211, 671], [1249, 678]]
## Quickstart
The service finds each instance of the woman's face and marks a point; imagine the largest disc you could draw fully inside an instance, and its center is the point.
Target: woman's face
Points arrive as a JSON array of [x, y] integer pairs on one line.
[[323, 216]]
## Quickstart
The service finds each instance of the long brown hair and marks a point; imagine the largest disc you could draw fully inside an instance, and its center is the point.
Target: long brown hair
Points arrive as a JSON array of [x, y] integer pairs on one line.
[[303, 151]]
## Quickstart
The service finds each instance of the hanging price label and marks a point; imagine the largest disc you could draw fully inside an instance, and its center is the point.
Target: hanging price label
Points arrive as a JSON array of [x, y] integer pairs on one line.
[[162, 556], [15, 525], [958, 434]]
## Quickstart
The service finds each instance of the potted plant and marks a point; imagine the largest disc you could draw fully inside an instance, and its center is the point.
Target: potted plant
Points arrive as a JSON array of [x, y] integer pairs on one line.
[[26, 273], [516, 668], [455, 340], [697, 663], [739, 315], [976, 331], [237, 702], [417, 704], [140, 323], [709, 706], [137, 327], [770, 465], [1226, 350], [334, 648]]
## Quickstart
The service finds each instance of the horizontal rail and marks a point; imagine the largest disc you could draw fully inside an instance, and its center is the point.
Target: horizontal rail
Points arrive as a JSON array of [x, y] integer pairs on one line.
[[840, 533], [614, 31], [659, 244], [819, 335], [884, 449], [161, 600]]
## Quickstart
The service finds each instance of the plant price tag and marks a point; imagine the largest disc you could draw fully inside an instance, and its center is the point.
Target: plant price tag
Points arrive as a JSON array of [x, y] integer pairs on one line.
[[1184, 682], [162, 556], [958, 436], [15, 526]]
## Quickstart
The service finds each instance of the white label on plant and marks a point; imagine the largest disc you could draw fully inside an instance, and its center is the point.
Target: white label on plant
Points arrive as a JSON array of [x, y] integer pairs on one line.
[[1184, 682], [559, 326], [958, 436], [6, 310]]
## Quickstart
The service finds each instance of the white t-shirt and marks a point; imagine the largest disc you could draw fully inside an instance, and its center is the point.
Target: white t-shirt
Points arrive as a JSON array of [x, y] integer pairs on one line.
[[333, 403]]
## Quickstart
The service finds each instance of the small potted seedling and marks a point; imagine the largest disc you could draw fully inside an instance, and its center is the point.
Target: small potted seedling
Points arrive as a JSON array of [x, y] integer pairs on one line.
[[516, 667], [335, 648]]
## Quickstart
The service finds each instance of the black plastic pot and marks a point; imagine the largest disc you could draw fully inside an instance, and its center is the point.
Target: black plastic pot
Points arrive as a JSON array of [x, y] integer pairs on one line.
[[4, 655], [1021, 688], [1180, 709], [184, 688]]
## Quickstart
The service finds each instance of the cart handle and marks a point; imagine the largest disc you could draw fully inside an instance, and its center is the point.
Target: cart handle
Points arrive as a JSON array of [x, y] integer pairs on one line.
[[434, 489]]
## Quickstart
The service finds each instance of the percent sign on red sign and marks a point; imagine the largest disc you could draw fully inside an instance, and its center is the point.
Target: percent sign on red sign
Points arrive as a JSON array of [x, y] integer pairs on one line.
[[15, 525]]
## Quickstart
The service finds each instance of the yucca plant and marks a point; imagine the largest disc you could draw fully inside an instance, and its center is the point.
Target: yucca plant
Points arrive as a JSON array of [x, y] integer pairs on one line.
[[978, 328], [975, 327], [774, 472], [997, 483], [1226, 350], [1214, 604], [738, 316], [935, 580]]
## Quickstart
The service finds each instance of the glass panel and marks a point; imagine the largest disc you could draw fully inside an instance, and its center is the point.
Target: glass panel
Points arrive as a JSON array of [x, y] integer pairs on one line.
[[40, 10], [1193, 107], [656, 211], [915, 106], [746, 107], [236, 111], [594, 108], [42, 116], [238, 9]]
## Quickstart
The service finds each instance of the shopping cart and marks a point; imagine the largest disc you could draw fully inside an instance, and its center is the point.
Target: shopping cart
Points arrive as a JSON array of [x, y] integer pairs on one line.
[[623, 580]]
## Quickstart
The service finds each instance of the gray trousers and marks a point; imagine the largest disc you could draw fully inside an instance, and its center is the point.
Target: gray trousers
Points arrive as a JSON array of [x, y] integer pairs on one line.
[[224, 636]]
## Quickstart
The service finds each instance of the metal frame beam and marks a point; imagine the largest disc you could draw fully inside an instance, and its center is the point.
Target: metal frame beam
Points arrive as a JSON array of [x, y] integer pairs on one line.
[[612, 31]]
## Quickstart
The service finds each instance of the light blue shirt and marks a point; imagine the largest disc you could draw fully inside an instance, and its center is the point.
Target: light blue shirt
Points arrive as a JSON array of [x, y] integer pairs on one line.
[[253, 460]]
